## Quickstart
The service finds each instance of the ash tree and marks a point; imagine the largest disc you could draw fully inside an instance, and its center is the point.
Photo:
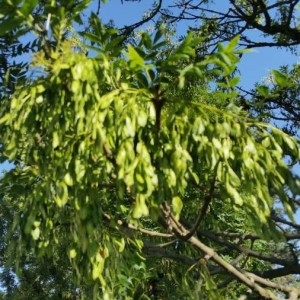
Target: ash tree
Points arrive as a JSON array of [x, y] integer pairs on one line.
[[137, 171]]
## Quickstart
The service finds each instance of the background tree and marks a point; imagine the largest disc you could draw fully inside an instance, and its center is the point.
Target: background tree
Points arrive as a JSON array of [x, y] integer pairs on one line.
[[258, 23]]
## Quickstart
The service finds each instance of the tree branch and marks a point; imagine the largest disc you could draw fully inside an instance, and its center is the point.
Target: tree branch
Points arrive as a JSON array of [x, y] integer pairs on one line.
[[202, 212], [155, 251], [249, 279], [243, 249], [131, 28]]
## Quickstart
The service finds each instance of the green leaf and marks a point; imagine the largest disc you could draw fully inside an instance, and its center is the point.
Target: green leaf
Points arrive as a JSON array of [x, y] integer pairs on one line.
[[233, 81], [159, 34], [79, 170], [146, 40], [27, 7], [143, 81], [121, 244], [55, 139], [135, 60], [36, 233], [233, 43], [140, 208], [5, 118], [233, 193], [98, 267], [61, 196], [291, 145], [10, 25], [68, 179], [263, 90], [72, 253], [92, 37], [281, 79], [177, 206]]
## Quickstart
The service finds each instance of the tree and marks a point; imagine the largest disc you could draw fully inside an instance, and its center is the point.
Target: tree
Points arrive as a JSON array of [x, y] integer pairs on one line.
[[276, 20], [258, 23], [137, 166]]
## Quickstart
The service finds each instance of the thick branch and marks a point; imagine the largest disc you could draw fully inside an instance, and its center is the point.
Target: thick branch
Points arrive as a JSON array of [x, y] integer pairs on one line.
[[283, 221], [249, 279], [279, 272]]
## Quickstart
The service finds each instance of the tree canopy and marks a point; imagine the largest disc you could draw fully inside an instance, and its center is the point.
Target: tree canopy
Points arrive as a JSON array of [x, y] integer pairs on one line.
[[141, 169]]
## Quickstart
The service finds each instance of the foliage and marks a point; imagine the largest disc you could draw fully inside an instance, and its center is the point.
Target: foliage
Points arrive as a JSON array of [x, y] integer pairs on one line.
[[136, 172], [275, 20], [259, 24], [278, 99]]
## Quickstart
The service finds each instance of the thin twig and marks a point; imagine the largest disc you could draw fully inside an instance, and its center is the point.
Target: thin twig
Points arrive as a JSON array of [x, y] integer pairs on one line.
[[207, 199]]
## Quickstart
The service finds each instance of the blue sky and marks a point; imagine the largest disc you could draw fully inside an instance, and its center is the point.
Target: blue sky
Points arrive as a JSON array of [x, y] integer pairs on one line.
[[254, 66]]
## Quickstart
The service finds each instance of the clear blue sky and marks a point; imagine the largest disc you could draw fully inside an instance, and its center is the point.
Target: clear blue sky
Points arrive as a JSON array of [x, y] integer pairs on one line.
[[254, 66]]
